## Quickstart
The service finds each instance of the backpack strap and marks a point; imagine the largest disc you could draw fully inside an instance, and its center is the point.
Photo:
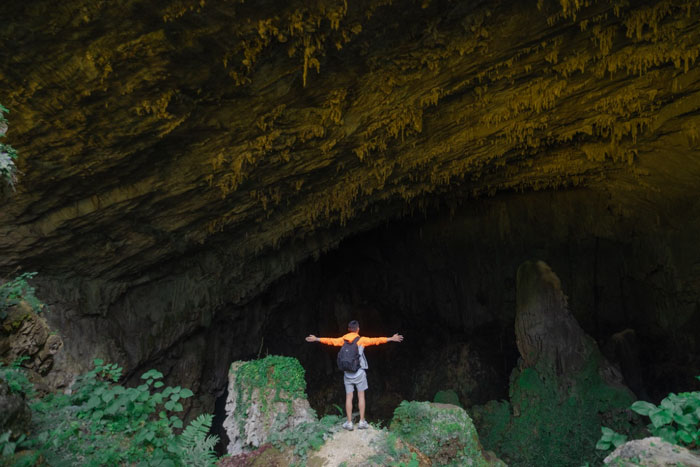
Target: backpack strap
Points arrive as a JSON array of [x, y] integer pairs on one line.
[[354, 341]]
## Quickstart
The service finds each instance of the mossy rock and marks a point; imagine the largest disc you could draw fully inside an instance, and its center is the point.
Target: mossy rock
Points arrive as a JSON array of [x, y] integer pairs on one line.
[[284, 375], [493, 420], [266, 397], [545, 424], [266, 455], [15, 316], [443, 432], [447, 397]]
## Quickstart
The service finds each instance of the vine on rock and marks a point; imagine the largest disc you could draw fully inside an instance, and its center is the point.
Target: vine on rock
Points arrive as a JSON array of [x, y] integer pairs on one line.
[[8, 154]]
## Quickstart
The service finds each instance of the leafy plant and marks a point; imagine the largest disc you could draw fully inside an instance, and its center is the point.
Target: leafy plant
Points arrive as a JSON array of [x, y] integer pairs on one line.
[[676, 420], [307, 436], [8, 154], [17, 290], [7, 446], [103, 423], [16, 378], [196, 445], [390, 450], [412, 462], [610, 438]]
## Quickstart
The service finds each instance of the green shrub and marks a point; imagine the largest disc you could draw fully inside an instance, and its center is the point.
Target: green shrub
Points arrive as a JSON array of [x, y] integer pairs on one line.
[[554, 421], [413, 461], [16, 378], [610, 439], [103, 423], [18, 290], [196, 447], [392, 452], [307, 436], [9, 446], [676, 420], [8, 155]]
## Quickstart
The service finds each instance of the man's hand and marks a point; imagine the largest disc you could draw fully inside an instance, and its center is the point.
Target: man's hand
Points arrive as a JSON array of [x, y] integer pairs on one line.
[[396, 338], [312, 338]]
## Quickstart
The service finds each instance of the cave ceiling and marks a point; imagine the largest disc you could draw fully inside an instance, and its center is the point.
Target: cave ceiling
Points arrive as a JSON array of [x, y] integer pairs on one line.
[[149, 130]]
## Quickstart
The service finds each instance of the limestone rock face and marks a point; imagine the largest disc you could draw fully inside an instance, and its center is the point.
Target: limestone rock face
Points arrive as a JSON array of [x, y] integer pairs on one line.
[[264, 398], [652, 452], [25, 333], [547, 335]]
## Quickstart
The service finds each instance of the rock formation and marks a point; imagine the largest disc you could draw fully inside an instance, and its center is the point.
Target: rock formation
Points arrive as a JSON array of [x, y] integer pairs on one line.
[[265, 397], [548, 337], [25, 335], [563, 390], [443, 432], [15, 415], [623, 349], [652, 452]]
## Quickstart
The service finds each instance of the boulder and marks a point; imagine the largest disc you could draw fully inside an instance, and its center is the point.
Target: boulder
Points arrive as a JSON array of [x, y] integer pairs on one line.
[[15, 415], [264, 396], [443, 432], [624, 350], [448, 396], [652, 452], [25, 333]]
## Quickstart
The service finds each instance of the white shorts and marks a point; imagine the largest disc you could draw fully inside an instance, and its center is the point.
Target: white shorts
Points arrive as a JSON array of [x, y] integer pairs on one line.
[[357, 379]]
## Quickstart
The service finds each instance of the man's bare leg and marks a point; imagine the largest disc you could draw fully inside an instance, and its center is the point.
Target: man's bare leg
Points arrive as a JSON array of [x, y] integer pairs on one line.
[[348, 404], [361, 403]]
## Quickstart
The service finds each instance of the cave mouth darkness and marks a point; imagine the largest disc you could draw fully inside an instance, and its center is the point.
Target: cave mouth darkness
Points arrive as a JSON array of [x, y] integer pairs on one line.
[[447, 282], [190, 188]]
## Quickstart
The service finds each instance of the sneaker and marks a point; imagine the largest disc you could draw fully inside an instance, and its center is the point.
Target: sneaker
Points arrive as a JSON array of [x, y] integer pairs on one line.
[[363, 425], [348, 425]]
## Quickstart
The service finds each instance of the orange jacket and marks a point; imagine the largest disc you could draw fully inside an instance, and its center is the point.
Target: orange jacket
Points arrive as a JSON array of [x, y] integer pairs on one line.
[[364, 341]]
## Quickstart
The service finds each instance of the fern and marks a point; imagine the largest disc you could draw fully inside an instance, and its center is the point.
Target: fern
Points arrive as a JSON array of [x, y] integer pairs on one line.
[[195, 443]]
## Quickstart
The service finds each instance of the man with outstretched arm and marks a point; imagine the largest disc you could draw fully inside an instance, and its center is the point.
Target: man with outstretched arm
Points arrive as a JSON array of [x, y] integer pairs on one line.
[[357, 379]]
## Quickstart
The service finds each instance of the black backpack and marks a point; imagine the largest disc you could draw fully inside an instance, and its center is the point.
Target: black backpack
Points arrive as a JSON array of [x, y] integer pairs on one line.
[[349, 356]]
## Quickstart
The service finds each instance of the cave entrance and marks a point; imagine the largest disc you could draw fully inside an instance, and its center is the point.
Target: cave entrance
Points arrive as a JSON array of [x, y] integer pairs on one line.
[[398, 279], [447, 283]]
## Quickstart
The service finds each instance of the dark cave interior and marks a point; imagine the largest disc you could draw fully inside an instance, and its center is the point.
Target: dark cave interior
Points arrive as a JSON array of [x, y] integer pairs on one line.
[[446, 281]]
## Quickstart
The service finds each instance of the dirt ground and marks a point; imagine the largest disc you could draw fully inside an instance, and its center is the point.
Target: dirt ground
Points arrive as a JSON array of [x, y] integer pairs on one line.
[[354, 448]]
